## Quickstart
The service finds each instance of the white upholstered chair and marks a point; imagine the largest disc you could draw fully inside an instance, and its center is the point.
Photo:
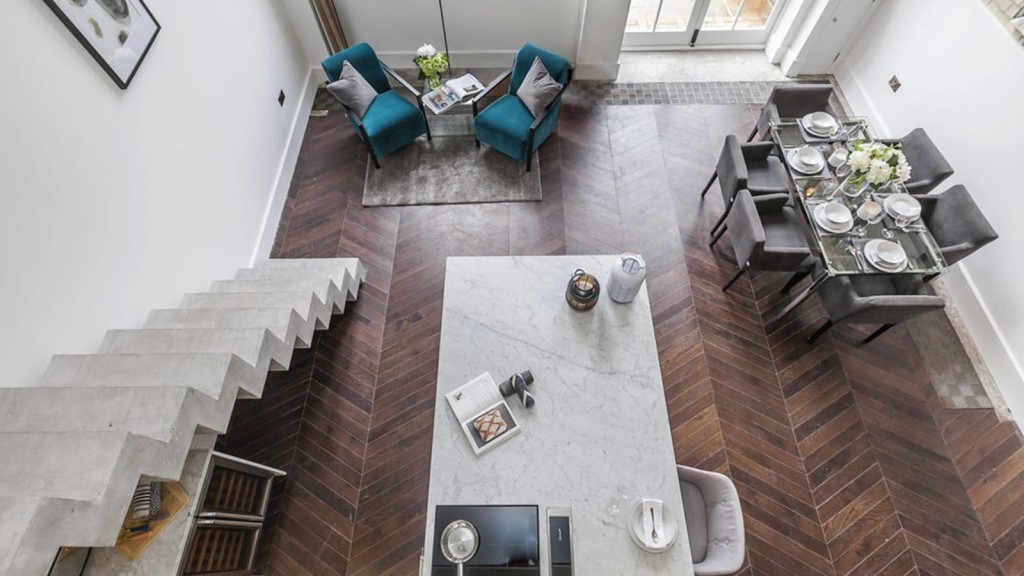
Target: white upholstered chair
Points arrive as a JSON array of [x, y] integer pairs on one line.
[[714, 521]]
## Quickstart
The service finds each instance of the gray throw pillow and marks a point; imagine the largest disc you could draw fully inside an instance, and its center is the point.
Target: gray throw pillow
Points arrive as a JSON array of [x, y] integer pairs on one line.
[[353, 90], [538, 88]]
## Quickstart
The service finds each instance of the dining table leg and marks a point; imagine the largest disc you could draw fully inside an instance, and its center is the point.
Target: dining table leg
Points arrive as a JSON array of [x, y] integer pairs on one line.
[[799, 299]]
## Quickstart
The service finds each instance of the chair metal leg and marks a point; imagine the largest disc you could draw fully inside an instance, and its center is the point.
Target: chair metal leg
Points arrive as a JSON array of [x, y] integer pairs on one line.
[[721, 221], [716, 237], [714, 176], [376, 163], [928, 278], [821, 330], [877, 333], [734, 279], [477, 142], [794, 280], [429, 138], [752, 134], [529, 160]]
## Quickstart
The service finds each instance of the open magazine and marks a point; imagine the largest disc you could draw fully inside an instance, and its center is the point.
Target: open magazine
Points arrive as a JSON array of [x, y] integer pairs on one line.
[[482, 413], [452, 92]]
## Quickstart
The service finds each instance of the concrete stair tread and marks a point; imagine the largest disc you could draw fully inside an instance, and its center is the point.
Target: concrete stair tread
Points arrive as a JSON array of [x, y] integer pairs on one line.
[[204, 372], [277, 320], [320, 285], [69, 465], [246, 343], [145, 411]]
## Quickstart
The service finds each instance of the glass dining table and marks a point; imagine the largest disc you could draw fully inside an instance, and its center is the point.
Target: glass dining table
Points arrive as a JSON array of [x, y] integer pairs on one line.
[[841, 250]]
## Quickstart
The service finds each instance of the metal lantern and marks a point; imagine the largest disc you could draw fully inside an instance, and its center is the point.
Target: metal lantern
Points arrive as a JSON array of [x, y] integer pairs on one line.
[[583, 291]]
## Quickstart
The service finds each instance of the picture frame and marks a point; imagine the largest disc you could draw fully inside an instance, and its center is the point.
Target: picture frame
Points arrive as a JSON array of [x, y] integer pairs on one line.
[[117, 33]]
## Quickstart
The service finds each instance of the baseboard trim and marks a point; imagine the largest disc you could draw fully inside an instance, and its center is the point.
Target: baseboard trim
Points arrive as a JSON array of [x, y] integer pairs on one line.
[[589, 71], [286, 168]]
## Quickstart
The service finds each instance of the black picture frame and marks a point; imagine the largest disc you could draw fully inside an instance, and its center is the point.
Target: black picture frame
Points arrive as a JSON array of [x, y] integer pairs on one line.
[[117, 33]]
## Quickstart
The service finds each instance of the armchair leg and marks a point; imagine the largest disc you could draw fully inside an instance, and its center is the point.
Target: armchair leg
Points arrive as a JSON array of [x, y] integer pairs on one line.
[[529, 160], [877, 333], [794, 280], [376, 162], [721, 221], [821, 330], [477, 142], [752, 134], [734, 279], [716, 237], [708, 187], [929, 278], [429, 138]]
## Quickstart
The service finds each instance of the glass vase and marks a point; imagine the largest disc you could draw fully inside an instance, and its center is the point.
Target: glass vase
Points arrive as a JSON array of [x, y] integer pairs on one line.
[[434, 80]]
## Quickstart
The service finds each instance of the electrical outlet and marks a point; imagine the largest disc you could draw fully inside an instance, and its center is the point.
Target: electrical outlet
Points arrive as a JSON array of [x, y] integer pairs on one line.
[[280, 98], [894, 83]]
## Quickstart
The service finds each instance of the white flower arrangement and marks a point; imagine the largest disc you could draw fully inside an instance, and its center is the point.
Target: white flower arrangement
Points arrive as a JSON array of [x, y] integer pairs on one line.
[[431, 64], [877, 164]]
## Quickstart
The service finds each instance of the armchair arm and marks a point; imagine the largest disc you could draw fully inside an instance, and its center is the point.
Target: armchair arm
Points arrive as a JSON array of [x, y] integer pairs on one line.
[[494, 84], [757, 151], [401, 80]]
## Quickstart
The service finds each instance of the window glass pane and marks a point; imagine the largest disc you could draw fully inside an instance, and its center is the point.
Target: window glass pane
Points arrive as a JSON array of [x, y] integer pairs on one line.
[[641, 15], [755, 14], [675, 15], [721, 14]]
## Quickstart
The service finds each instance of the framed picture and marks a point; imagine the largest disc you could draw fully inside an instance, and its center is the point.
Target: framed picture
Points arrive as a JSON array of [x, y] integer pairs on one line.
[[118, 33]]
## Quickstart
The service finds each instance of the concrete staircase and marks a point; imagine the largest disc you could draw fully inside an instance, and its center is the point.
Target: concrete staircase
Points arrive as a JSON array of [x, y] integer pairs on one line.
[[75, 446]]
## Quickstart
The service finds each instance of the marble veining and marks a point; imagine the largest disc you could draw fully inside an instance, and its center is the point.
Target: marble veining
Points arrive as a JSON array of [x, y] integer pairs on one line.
[[600, 418]]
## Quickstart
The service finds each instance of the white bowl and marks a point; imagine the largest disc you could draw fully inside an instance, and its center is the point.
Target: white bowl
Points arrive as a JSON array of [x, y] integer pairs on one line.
[[890, 253], [837, 213], [809, 157], [903, 205], [822, 121]]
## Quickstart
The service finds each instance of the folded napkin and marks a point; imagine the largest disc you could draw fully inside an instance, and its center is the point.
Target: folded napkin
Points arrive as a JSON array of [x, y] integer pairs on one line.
[[653, 521]]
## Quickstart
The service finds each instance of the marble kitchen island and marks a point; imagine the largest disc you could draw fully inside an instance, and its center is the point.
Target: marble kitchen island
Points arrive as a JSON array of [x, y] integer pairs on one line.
[[600, 419]]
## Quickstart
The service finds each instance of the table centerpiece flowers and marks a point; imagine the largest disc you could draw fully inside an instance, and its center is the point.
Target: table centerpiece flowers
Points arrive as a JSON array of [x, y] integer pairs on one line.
[[876, 165], [431, 63]]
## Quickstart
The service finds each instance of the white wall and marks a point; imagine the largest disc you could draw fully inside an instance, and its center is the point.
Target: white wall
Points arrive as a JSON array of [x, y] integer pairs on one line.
[[115, 202], [487, 33], [963, 81]]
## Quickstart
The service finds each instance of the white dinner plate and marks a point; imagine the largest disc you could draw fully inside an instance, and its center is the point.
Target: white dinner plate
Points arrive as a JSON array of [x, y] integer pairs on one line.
[[821, 131], [796, 164], [902, 206], [636, 527], [886, 255], [822, 220]]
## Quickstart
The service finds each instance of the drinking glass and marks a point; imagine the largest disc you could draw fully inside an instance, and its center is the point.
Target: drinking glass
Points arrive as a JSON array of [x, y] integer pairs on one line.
[[843, 170], [614, 509]]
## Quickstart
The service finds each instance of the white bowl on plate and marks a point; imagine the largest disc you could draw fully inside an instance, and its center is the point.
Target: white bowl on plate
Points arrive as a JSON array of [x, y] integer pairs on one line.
[[885, 255], [903, 206], [822, 121], [837, 213]]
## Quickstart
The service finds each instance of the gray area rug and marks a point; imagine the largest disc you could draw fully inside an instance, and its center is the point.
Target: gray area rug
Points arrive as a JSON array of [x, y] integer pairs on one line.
[[449, 170]]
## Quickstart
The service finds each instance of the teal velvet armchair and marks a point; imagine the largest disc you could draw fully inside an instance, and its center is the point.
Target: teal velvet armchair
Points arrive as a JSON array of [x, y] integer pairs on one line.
[[506, 124], [391, 121]]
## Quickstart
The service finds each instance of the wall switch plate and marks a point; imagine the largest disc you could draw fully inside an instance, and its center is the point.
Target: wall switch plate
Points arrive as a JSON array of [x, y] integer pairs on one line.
[[280, 98], [894, 83]]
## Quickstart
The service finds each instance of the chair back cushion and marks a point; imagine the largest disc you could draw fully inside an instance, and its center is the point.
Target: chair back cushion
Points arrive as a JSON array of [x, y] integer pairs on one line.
[[364, 59], [557, 66], [538, 88], [696, 520], [353, 90]]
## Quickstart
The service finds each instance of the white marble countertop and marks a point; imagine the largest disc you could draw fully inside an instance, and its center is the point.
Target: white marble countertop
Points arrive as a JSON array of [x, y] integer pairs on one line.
[[600, 417]]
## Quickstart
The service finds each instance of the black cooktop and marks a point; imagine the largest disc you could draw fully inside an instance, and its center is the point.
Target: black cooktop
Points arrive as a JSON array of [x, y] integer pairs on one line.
[[509, 541]]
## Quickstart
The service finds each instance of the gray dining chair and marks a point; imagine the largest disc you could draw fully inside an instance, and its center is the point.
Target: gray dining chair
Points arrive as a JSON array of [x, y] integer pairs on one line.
[[928, 167], [753, 167], [766, 235], [886, 299], [714, 521], [956, 223], [792, 101]]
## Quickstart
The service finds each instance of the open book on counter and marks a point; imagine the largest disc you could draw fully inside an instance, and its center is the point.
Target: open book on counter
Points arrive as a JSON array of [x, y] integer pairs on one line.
[[452, 92], [482, 413]]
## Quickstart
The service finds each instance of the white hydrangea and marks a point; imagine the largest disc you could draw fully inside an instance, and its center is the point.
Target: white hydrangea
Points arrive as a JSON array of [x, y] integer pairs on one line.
[[879, 172], [426, 51], [903, 171], [859, 160]]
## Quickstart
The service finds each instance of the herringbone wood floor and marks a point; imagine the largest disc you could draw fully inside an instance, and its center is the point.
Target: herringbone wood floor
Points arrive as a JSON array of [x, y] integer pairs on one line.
[[844, 458]]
